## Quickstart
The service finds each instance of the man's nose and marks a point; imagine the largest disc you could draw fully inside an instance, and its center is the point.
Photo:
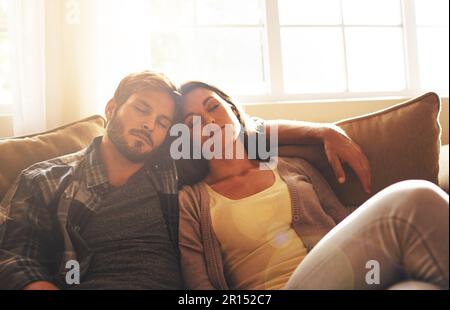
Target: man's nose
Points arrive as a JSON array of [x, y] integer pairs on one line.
[[149, 125]]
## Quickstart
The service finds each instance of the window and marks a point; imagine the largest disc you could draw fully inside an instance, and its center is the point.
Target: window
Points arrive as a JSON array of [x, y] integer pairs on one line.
[[342, 46], [433, 46], [272, 50], [210, 45], [5, 61], [188, 40]]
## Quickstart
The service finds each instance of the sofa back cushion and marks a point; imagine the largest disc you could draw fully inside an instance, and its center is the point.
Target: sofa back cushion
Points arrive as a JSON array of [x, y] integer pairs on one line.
[[401, 142], [18, 153]]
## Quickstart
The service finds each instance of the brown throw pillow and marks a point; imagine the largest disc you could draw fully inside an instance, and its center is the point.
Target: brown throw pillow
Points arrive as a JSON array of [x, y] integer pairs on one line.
[[402, 142], [17, 154]]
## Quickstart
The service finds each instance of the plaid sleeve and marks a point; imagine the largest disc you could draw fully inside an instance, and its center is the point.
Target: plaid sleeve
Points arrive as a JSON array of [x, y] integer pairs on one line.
[[25, 222]]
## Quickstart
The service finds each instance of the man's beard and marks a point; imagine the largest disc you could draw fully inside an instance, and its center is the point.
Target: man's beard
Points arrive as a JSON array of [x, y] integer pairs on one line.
[[116, 134]]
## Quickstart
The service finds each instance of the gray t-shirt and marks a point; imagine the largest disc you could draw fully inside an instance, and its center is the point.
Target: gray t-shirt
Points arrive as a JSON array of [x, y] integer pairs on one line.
[[130, 241]]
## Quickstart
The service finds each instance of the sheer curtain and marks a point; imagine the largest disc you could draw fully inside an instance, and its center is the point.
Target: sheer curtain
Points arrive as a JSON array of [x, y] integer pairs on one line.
[[27, 28]]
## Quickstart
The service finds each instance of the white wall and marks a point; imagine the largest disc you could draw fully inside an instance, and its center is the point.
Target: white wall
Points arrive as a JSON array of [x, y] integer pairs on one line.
[[332, 111]]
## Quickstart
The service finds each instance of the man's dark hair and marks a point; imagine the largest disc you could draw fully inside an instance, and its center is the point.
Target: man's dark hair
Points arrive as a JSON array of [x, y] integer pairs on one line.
[[149, 80], [145, 80]]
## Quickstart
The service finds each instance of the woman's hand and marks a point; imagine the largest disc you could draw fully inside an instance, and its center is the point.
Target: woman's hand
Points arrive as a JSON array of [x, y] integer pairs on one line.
[[339, 149]]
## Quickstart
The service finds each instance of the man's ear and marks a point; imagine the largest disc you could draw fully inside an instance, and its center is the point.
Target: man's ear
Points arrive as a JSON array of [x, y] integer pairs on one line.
[[109, 110]]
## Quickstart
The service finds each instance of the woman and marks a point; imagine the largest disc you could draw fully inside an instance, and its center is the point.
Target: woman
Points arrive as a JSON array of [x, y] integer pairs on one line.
[[242, 227]]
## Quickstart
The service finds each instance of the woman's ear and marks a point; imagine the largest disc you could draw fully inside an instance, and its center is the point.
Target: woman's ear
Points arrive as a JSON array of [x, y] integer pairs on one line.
[[109, 110]]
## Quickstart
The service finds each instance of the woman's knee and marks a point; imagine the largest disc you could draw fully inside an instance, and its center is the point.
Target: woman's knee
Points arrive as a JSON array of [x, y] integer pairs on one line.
[[418, 196]]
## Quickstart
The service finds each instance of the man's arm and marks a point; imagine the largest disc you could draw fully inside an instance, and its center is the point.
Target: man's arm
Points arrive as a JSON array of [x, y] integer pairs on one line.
[[25, 238], [339, 148], [298, 132]]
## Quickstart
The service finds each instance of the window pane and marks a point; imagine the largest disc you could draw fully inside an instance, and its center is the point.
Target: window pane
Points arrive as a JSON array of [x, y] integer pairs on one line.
[[174, 54], [375, 59], [129, 40], [208, 56], [248, 12], [309, 12], [371, 12], [313, 60], [233, 59], [431, 12], [433, 57], [166, 14]]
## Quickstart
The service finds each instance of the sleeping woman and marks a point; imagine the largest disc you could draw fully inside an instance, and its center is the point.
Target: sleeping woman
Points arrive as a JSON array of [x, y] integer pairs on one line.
[[282, 227]]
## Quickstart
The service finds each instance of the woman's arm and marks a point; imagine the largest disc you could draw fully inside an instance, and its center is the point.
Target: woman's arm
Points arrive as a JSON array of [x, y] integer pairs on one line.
[[193, 264], [339, 148]]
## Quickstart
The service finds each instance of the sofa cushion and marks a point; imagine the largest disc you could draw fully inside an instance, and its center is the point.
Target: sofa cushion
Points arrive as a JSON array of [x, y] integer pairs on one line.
[[18, 153], [401, 142]]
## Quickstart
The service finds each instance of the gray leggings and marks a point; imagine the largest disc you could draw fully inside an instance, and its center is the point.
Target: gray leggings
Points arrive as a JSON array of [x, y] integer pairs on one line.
[[399, 234]]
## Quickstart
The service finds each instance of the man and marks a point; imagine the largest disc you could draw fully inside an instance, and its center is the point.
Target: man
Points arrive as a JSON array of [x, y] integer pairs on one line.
[[112, 208]]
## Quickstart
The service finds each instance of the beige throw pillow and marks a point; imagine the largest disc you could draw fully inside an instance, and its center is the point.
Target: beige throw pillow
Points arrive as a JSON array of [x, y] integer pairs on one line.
[[17, 154], [402, 142]]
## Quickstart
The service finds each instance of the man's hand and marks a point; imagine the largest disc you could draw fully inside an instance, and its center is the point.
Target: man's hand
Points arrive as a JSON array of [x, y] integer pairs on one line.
[[41, 285], [339, 148]]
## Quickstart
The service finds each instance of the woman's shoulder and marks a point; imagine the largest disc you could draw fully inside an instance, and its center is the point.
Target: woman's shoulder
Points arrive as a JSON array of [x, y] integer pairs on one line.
[[189, 196], [188, 191]]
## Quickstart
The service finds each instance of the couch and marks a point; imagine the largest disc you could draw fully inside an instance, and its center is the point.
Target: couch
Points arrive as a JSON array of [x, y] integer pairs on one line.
[[402, 142]]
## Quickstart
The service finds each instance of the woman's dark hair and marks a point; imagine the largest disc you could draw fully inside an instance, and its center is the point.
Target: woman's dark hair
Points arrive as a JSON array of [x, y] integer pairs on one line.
[[247, 123], [192, 171]]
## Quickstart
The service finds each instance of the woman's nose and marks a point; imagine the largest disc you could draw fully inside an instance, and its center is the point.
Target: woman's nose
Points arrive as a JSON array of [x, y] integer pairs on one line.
[[210, 120]]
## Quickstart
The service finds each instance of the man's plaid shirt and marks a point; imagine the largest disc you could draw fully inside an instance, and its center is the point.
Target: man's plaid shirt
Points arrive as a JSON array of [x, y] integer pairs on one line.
[[44, 209]]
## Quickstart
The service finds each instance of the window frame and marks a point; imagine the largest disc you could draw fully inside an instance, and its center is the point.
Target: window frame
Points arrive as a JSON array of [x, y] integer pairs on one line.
[[275, 67]]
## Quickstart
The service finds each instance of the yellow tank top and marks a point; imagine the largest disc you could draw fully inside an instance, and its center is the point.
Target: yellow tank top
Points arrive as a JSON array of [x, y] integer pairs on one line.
[[259, 246]]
